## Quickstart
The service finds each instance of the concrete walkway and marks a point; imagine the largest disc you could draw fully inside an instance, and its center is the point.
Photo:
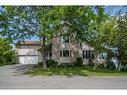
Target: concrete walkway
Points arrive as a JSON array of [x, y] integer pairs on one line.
[[12, 77]]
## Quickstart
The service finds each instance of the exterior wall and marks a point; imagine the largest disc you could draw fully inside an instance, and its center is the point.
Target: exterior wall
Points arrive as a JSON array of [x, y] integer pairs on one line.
[[76, 49], [28, 50], [56, 49]]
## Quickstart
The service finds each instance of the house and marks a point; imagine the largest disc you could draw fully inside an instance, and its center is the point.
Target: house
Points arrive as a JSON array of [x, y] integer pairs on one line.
[[62, 49]]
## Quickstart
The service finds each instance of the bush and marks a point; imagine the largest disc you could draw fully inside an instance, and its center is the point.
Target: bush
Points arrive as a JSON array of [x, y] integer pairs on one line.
[[79, 62], [123, 69], [90, 64], [51, 63], [110, 65], [40, 63], [101, 66]]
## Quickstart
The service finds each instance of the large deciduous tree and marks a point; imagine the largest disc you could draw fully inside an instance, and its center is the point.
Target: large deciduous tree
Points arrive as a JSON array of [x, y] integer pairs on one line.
[[49, 22], [21, 22], [114, 32]]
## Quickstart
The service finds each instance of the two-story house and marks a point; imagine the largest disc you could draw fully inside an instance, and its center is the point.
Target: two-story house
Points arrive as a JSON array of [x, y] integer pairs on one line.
[[62, 49]]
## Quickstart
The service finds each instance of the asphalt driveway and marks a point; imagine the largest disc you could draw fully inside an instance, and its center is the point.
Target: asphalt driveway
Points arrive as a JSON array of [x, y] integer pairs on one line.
[[12, 77]]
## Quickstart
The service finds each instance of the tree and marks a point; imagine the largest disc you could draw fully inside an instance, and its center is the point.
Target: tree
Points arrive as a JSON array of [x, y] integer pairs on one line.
[[49, 22], [114, 38], [19, 23], [121, 39], [7, 55]]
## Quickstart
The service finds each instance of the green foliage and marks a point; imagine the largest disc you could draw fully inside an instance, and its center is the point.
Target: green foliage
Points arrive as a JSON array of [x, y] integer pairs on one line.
[[51, 63], [101, 66], [79, 62], [110, 66], [40, 63], [90, 65], [18, 23], [123, 69], [7, 55], [72, 71]]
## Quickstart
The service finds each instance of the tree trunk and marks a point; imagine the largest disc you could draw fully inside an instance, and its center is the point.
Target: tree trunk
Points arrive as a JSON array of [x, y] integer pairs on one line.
[[43, 53], [95, 63], [118, 67], [119, 58]]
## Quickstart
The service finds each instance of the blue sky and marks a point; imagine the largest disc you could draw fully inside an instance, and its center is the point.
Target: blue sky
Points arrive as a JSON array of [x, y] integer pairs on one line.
[[114, 10]]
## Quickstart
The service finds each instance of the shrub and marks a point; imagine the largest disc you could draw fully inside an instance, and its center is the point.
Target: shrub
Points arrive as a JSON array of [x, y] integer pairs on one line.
[[123, 69], [51, 63], [110, 65], [100, 66], [90, 64], [79, 62], [40, 63]]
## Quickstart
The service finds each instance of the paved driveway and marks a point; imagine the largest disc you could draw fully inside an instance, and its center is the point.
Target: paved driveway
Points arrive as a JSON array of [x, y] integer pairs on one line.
[[12, 77]]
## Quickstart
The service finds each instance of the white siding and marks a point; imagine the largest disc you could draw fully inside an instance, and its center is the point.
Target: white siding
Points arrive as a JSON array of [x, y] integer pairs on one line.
[[86, 47], [65, 60], [28, 54]]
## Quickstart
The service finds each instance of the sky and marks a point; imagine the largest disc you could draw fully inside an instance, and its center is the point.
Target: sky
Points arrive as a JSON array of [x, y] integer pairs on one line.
[[114, 10]]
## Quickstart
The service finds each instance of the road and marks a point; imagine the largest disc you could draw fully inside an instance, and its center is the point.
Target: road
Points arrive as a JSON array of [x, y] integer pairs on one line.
[[13, 77]]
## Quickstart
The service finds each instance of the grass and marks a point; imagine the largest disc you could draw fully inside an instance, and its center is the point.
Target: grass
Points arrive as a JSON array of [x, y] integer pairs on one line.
[[1, 64], [71, 71]]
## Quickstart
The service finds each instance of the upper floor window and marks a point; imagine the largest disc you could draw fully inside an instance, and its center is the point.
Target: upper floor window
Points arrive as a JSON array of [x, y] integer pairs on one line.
[[65, 39], [88, 54]]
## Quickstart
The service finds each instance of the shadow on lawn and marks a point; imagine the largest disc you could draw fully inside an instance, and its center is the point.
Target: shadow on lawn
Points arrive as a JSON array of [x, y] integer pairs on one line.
[[61, 71], [70, 71]]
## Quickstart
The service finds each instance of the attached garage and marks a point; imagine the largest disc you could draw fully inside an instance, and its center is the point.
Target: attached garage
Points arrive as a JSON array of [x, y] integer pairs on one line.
[[28, 59], [27, 53]]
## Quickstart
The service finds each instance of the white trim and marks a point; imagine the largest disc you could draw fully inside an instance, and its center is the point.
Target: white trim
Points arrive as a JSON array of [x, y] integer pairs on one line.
[[70, 53], [48, 57]]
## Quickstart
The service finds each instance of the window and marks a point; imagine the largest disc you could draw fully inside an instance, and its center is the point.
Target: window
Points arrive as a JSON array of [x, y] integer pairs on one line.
[[88, 54], [65, 53], [61, 53], [50, 54], [65, 39]]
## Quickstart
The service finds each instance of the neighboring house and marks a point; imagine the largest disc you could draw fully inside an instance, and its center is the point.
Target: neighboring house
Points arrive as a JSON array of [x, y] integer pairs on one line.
[[62, 49]]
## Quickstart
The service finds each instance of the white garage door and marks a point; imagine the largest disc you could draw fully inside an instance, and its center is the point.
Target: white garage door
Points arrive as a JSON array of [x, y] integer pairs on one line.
[[28, 59]]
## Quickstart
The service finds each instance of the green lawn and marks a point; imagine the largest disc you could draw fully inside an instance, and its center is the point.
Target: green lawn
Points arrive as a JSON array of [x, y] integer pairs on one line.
[[1, 64], [71, 71]]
